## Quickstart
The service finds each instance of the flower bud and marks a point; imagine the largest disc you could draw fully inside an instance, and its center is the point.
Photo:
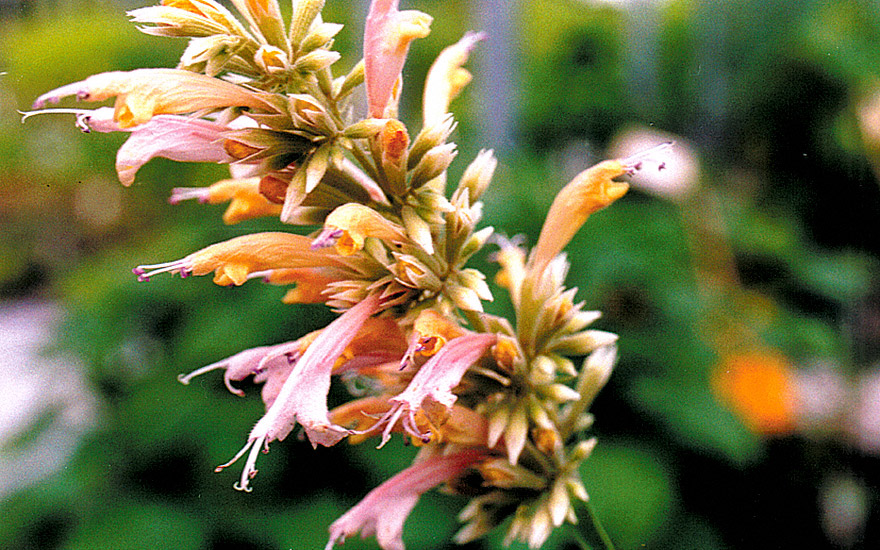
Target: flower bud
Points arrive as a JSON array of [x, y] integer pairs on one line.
[[316, 61], [478, 174], [319, 37], [352, 80], [414, 274], [417, 229], [431, 136], [434, 163], [305, 13], [366, 128]]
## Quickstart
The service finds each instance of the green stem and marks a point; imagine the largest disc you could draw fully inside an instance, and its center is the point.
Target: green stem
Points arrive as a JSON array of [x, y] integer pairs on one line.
[[579, 538], [593, 539]]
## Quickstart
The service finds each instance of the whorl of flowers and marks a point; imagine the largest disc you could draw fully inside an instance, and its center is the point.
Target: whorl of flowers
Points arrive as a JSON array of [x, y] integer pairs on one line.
[[479, 394]]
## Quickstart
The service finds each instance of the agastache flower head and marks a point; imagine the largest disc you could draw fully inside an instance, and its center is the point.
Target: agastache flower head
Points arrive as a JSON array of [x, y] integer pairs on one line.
[[501, 400]]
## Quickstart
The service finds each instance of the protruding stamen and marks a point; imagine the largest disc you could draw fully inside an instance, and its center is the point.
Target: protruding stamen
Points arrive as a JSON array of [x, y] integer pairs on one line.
[[654, 155], [185, 379], [327, 238], [255, 446], [144, 272], [84, 117], [179, 194]]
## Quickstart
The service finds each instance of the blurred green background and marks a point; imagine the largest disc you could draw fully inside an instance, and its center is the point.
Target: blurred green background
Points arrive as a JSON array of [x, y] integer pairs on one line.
[[747, 300]]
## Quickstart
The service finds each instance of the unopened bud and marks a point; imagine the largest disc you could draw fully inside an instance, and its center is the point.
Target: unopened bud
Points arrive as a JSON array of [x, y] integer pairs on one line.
[[430, 137], [478, 174], [319, 37], [434, 163], [304, 14], [316, 61], [366, 128], [352, 80], [542, 370]]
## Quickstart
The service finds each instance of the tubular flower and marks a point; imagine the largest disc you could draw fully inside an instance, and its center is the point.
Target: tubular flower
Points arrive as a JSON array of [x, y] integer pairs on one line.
[[348, 226], [501, 400], [177, 138], [430, 390], [384, 510], [234, 260], [144, 93], [387, 36], [303, 397], [243, 195], [446, 78], [590, 191]]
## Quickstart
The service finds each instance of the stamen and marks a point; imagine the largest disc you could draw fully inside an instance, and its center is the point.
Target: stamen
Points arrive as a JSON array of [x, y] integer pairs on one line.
[[83, 116], [327, 238], [386, 433], [144, 272], [255, 446], [266, 274], [28, 114], [409, 425], [653, 155], [185, 379], [179, 194]]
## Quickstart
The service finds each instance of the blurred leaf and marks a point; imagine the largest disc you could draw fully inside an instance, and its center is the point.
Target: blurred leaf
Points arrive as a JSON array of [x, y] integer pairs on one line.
[[631, 492], [695, 419]]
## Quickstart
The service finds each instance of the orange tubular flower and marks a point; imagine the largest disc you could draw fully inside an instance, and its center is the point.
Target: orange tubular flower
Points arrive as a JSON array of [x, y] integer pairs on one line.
[[590, 191], [446, 78], [348, 226], [144, 93], [234, 260], [243, 195]]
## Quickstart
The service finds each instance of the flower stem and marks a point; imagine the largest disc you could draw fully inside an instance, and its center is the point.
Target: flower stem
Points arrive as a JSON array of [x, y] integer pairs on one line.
[[591, 539]]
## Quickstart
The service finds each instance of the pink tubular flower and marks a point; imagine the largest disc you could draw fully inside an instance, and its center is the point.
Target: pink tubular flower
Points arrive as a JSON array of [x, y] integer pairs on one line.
[[431, 388], [178, 138], [387, 35], [384, 510], [303, 398], [237, 367]]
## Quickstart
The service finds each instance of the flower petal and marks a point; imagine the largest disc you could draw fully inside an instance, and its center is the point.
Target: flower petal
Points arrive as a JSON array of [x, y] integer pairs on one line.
[[387, 35], [303, 398], [431, 388], [177, 138], [144, 93], [385, 509]]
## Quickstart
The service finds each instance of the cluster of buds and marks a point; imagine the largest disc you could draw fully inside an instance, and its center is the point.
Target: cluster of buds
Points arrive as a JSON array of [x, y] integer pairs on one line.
[[498, 408]]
